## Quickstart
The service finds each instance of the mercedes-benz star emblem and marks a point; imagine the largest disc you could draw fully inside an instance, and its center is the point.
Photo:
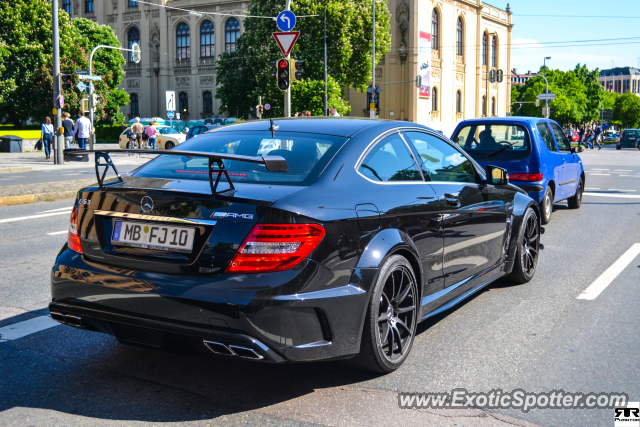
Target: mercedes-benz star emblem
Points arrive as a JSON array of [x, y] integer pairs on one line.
[[147, 204]]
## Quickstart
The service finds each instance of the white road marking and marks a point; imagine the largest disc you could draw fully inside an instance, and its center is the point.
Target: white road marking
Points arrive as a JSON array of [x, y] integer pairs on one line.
[[634, 176], [28, 327], [58, 232], [22, 218], [69, 174], [605, 279], [623, 196], [599, 169], [623, 170], [617, 189], [68, 208], [601, 174], [591, 188]]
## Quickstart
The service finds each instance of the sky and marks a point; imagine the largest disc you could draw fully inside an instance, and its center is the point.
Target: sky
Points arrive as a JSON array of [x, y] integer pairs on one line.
[[532, 33]]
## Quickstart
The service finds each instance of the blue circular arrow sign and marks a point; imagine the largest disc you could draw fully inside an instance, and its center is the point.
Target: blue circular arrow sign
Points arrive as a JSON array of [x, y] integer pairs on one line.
[[170, 114], [286, 20]]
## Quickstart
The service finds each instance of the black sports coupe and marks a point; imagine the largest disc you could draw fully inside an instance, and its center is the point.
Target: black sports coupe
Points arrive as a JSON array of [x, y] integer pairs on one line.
[[291, 240]]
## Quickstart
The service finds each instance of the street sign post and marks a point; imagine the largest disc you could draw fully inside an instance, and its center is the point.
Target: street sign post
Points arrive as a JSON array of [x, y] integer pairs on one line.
[[546, 96], [177, 116], [88, 77], [81, 72], [267, 106], [286, 40], [286, 20], [606, 114], [60, 102], [81, 86], [171, 100], [170, 114]]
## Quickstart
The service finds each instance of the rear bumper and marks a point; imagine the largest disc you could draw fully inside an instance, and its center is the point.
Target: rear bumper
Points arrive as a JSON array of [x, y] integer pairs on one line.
[[311, 313]]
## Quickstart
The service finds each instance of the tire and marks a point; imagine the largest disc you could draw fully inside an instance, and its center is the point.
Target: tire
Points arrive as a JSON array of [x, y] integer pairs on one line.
[[528, 242], [638, 145], [618, 147], [130, 145], [546, 207], [576, 200], [389, 315], [169, 145]]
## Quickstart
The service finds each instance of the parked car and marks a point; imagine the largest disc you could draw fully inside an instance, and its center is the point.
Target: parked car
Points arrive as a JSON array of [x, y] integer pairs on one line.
[[629, 138], [197, 130], [611, 136], [168, 138], [333, 244], [535, 151]]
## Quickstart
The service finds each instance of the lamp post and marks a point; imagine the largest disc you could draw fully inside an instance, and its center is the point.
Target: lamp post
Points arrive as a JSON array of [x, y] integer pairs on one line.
[[546, 101], [486, 78]]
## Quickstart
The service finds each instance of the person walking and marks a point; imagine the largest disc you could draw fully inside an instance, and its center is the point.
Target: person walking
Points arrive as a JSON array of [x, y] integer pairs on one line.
[[596, 137], [152, 132], [67, 125], [82, 130], [581, 133], [47, 136], [569, 133], [138, 129], [588, 137]]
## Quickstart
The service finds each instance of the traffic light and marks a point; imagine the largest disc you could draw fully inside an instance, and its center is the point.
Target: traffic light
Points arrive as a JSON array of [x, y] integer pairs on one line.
[[136, 54], [66, 81], [284, 74], [274, 65], [298, 71], [95, 100]]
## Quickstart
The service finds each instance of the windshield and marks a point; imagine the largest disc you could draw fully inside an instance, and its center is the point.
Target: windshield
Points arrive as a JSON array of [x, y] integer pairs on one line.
[[306, 154], [479, 140], [165, 130]]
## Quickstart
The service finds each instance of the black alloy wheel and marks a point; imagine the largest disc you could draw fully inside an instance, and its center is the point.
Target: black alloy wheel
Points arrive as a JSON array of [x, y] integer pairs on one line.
[[547, 206], [575, 201], [391, 319], [528, 248]]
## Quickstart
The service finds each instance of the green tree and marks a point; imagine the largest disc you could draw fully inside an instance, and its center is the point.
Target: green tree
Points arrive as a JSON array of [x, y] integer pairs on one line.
[[348, 45], [592, 90], [26, 79], [626, 110]]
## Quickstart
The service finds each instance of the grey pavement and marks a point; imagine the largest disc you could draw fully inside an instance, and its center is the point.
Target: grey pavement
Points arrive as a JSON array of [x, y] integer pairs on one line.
[[536, 336]]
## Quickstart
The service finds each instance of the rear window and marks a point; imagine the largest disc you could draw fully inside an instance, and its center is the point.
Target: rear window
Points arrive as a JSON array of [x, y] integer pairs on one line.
[[480, 140], [306, 154], [632, 132]]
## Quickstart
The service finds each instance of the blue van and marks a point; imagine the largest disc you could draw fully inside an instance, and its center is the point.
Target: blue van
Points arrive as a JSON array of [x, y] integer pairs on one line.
[[535, 152]]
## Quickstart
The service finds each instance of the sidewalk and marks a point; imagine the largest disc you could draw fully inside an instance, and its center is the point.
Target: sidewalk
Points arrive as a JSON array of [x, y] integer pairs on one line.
[[25, 162]]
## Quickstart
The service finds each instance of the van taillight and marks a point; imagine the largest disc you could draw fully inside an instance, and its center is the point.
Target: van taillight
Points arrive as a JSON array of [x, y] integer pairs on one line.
[[275, 247], [74, 232], [529, 177]]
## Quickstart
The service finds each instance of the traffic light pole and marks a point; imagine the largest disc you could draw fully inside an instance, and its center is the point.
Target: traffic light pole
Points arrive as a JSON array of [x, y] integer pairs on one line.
[[287, 94], [58, 139], [546, 101], [326, 102]]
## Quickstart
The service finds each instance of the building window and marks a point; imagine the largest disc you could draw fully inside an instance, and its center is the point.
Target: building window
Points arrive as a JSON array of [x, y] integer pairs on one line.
[[207, 40], [207, 102], [494, 51], [88, 6], [493, 106], [484, 48], [183, 42], [458, 102], [66, 6], [133, 104], [133, 36], [435, 30], [434, 99], [484, 105], [459, 37], [133, 3], [231, 34], [183, 102]]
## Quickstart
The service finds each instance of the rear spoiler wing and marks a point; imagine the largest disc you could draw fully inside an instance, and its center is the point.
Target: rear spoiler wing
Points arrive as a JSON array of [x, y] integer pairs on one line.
[[216, 163]]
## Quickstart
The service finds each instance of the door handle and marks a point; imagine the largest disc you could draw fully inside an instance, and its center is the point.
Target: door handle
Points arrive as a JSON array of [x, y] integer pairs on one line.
[[451, 200]]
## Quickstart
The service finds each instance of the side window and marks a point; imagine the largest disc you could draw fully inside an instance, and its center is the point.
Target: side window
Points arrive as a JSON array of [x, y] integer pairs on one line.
[[563, 144], [390, 160], [440, 161], [545, 133]]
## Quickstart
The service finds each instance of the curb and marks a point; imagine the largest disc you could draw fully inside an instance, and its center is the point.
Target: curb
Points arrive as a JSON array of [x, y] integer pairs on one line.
[[37, 197], [12, 170]]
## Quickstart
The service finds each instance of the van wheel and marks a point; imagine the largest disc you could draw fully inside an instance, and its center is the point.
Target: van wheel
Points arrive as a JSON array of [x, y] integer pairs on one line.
[[391, 319], [528, 249], [547, 206], [576, 200]]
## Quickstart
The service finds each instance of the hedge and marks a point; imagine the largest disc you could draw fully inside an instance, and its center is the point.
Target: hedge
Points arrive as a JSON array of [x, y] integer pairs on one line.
[[108, 134]]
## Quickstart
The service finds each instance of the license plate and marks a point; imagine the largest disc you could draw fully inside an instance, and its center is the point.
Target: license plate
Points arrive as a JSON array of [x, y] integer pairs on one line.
[[153, 236]]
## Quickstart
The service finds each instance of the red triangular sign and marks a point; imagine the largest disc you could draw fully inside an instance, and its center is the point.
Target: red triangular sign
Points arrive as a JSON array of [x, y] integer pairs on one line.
[[286, 40]]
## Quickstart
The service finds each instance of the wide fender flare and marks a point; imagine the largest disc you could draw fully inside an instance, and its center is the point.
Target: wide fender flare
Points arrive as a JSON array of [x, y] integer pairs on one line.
[[521, 203]]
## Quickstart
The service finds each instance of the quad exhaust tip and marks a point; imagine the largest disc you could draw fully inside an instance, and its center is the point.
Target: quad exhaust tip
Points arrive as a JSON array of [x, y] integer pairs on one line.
[[233, 350], [68, 319]]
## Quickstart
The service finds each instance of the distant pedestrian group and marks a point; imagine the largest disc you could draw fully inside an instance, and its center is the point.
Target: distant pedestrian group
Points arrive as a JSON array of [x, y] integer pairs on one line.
[[81, 132], [590, 136]]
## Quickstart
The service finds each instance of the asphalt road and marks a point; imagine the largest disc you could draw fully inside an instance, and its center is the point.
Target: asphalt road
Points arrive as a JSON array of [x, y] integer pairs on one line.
[[538, 337]]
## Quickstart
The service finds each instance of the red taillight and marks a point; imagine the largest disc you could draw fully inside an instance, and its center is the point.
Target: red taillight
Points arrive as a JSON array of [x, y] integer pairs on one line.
[[275, 247], [525, 177], [74, 233]]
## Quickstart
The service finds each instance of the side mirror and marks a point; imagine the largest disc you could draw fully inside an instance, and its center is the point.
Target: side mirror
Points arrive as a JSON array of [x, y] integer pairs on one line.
[[497, 176], [75, 155]]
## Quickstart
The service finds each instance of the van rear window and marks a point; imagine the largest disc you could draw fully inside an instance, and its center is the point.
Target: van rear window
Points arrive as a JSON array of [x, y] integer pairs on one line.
[[306, 154], [480, 140]]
